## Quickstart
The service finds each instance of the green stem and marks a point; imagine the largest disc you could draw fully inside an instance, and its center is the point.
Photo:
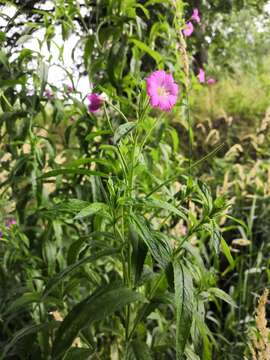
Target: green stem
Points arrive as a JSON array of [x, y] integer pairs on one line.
[[6, 100], [121, 157], [130, 193], [190, 134], [118, 110], [148, 134], [151, 295]]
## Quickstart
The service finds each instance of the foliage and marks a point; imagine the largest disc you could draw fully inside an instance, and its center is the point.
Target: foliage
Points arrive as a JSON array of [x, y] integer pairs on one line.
[[241, 173], [127, 219]]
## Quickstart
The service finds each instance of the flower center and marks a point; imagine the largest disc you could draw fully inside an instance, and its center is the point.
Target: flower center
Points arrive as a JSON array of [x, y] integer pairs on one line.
[[162, 91]]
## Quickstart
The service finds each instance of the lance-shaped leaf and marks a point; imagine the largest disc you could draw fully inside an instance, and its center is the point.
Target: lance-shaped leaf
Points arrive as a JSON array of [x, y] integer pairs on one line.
[[24, 332], [166, 206], [68, 270], [103, 303], [91, 210], [221, 295], [159, 248], [184, 306], [123, 130]]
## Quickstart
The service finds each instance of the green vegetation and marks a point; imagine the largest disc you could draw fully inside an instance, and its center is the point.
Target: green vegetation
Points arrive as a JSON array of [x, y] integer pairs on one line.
[[131, 232]]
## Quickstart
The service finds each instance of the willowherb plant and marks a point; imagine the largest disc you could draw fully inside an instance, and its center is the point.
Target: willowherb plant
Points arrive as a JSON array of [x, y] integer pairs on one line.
[[136, 215], [107, 271]]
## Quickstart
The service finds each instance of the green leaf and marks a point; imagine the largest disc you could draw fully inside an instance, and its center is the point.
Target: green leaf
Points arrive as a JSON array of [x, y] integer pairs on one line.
[[137, 350], [79, 354], [160, 250], [190, 354], [74, 250], [70, 206], [205, 333], [154, 303], [139, 252], [123, 130], [91, 210], [4, 59], [222, 295], [23, 301], [67, 271], [215, 239], [116, 62], [184, 306], [43, 74], [103, 303], [23, 39], [227, 252], [94, 134], [165, 206], [2, 36], [89, 46], [145, 48], [31, 329]]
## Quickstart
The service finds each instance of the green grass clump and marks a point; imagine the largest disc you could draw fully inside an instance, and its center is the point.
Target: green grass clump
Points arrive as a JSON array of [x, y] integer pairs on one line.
[[243, 96]]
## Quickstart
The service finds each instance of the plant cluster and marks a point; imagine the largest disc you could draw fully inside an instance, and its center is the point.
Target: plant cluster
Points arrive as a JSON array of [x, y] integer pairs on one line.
[[122, 204]]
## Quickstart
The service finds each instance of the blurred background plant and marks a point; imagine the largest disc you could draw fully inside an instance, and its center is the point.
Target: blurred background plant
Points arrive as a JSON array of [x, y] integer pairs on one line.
[[55, 156]]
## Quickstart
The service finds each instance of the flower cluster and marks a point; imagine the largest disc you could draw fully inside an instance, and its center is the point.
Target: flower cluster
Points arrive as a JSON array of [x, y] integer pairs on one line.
[[202, 78], [160, 86], [187, 31], [189, 28]]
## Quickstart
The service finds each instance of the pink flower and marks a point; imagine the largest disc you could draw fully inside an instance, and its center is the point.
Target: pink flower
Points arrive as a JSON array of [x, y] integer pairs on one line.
[[196, 16], [48, 94], [70, 89], [188, 30], [211, 81], [162, 90], [96, 101], [10, 222], [201, 76]]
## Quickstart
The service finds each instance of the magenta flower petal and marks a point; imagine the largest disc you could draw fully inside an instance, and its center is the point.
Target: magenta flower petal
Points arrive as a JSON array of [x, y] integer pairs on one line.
[[188, 30], [172, 100], [95, 102], [201, 76], [162, 90], [196, 16], [164, 103], [154, 100]]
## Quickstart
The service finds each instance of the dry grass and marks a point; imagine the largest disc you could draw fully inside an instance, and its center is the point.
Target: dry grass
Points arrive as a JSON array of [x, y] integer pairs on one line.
[[260, 346]]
